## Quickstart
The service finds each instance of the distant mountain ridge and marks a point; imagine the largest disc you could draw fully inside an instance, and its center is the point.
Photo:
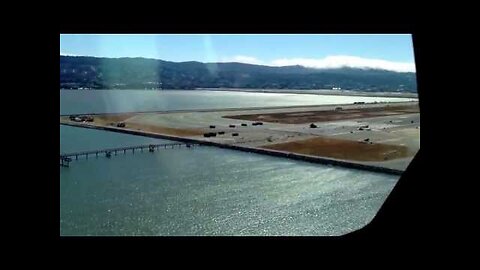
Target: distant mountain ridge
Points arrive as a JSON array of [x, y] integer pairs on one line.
[[78, 72]]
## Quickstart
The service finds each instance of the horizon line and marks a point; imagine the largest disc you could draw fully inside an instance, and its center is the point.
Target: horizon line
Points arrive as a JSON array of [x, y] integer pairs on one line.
[[237, 62]]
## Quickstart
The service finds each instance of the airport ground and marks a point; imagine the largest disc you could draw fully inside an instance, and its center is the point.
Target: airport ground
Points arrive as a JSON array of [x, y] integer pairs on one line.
[[379, 134]]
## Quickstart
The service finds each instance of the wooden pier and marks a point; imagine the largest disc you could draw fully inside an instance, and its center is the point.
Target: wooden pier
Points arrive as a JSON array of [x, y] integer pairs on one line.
[[66, 158]]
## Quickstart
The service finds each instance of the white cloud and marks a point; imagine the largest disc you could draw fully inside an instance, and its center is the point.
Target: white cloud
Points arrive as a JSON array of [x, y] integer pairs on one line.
[[335, 61], [338, 61]]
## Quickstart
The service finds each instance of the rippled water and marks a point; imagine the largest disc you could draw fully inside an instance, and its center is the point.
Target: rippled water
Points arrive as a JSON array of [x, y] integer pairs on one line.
[[111, 101], [205, 190]]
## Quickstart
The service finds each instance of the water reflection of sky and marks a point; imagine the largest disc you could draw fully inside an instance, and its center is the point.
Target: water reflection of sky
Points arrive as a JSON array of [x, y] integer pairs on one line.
[[137, 100], [209, 191]]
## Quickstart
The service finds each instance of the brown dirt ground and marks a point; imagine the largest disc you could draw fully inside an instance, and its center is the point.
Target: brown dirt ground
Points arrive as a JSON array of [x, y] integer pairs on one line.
[[324, 116], [112, 119], [164, 130], [343, 149], [109, 118]]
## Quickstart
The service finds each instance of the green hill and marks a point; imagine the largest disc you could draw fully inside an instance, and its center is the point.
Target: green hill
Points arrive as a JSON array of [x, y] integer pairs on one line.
[[140, 73]]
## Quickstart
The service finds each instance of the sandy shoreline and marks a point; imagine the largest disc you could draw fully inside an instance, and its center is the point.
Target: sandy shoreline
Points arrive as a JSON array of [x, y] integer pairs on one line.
[[392, 135]]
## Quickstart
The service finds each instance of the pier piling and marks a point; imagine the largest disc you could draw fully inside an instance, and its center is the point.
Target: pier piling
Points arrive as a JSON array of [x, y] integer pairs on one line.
[[66, 158]]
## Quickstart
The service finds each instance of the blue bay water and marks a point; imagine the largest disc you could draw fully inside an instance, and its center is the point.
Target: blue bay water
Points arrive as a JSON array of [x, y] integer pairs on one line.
[[204, 190]]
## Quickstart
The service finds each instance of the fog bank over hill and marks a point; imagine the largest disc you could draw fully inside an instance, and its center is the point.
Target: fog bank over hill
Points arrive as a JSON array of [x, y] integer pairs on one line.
[[140, 73]]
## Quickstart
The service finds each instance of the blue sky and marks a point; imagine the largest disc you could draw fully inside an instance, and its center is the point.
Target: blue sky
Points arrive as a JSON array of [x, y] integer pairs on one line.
[[394, 52]]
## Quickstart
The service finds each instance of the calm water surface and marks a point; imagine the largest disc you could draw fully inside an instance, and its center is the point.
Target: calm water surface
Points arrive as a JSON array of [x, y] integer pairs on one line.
[[111, 101], [204, 190]]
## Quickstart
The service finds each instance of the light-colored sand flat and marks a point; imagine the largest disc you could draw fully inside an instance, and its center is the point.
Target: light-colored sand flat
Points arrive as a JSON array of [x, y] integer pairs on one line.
[[393, 129]]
